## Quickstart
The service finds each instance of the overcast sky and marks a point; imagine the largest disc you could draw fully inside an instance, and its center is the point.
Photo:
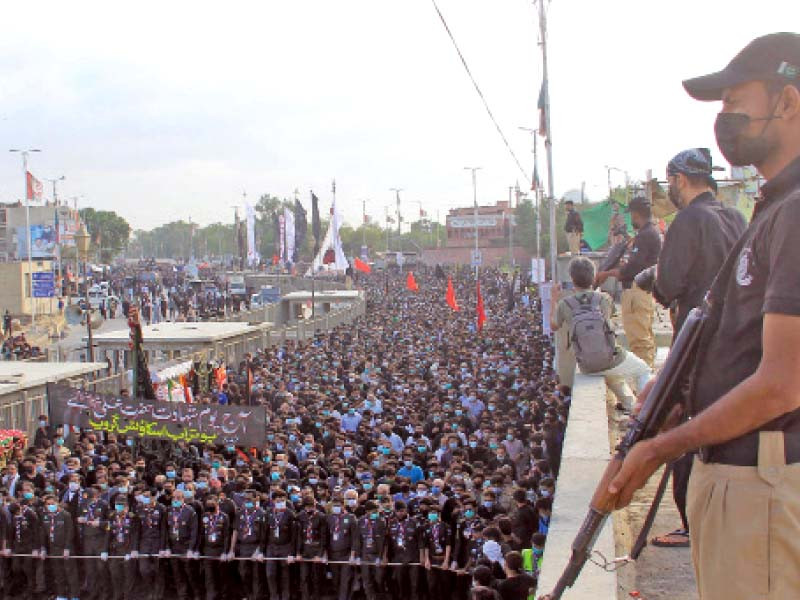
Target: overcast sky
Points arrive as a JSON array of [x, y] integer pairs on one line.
[[173, 109]]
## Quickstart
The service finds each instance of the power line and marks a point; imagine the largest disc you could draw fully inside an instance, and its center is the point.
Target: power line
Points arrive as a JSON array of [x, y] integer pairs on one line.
[[478, 89]]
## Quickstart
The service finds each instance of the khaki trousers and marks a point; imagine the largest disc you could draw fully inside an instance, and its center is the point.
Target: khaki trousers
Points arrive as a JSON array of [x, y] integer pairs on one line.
[[745, 524], [638, 308], [574, 241]]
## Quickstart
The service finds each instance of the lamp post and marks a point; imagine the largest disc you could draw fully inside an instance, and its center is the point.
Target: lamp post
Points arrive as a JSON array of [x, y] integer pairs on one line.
[[28, 198], [82, 240], [475, 213]]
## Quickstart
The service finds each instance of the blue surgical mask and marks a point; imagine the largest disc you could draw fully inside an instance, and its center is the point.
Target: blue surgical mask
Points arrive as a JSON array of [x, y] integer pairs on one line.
[[145, 500], [231, 449], [177, 504], [408, 463], [295, 497], [374, 516], [201, 485], [248, 505], [453, 445], [280, 505], [27, 495], [488, 504], [421, 449], [336, 510], [170, 474], [435, 490], [367, 487], [433, 517], [119, 507], [275, 476], [188, 494], [469, 513], [473, 444], [52, 507], [313, 480]]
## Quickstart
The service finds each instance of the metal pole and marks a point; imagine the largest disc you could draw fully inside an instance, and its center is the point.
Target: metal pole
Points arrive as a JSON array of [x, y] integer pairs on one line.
[[548, 143], [475, 212], [510, 227], [90, 340]]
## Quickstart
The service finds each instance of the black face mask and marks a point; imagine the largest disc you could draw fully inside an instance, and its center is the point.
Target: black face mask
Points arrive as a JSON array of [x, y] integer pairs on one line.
[[674, 196], [737, 149]]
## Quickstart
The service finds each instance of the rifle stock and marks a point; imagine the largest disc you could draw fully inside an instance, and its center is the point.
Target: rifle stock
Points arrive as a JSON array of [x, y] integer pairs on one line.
[[658, 404]]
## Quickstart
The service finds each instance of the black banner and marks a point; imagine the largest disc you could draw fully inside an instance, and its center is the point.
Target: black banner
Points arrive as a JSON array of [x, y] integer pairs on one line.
[[174, 421]]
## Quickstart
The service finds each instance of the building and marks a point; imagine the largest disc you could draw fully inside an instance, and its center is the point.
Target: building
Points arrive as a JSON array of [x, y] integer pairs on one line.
[[44, 238], [494, 223]]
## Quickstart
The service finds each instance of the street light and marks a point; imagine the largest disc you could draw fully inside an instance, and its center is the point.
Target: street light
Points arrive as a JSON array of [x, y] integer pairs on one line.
[[82, 241], [475, 211], [24, 154]]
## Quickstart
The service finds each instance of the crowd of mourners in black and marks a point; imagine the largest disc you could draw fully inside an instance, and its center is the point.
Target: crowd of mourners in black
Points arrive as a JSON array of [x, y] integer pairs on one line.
[[407, 456]]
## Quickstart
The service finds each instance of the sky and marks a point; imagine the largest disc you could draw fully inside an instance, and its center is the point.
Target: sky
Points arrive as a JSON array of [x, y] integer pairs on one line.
[[175, 110]]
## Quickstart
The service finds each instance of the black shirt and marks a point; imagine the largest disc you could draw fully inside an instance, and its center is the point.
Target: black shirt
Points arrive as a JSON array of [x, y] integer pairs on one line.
[[764, 279], [517, 587], [695, 246], [643, 254], [574, 222]]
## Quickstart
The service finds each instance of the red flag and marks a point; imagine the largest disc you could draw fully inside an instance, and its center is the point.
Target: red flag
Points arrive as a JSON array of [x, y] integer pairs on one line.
[[481, 311], [360, 265], [34, 188], [411, 283], [275, 259], [451, 295]]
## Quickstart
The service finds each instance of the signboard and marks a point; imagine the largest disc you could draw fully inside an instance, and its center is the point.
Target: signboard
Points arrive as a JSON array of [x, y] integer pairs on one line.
[[469, 222], [544, 295], [44, 284], [152, 419], [537, 270], [475, 258], [43, 241]]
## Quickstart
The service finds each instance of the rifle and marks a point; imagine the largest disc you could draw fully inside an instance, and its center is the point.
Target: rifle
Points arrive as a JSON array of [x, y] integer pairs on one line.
[[655, 409]]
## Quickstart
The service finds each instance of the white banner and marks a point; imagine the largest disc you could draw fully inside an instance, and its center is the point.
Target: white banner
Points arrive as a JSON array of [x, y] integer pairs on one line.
[[288, 221], [282, 233], [251, 234], [467, 222]]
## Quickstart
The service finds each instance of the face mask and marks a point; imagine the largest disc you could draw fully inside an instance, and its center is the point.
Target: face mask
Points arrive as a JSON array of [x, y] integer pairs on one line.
[[188, 494], [176, 504], [74, 486], [509, 437], [385, 451], [367, 487], [215, 464], [453, 445], [348, 453], [231, 449], [545, 493], [42, 423], [737, 149], [491, 408], [275, 476], [294, 498], [27, 495], [145, 500], [373, 516], [408, 463], [538, 551], [170, 474], [433, 517], [201, 485], [488, 504], [280, 505], [122, 490], [52, 507], [248, 505], [469, 513], [492, 445], [119, 507], [435, 490], [473, 444]]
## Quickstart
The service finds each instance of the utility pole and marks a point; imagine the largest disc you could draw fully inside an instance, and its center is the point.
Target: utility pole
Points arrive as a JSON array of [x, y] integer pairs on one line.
[[235, 235], [548, 142], [58, 234], [363, 222], [475, 212], [28, 199], [399, 218]]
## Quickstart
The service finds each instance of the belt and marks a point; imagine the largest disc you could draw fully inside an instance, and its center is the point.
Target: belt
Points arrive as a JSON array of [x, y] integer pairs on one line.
[[743, 451]]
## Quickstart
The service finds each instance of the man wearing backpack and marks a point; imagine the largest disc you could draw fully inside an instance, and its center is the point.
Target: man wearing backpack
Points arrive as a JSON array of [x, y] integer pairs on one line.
[[586, 316]]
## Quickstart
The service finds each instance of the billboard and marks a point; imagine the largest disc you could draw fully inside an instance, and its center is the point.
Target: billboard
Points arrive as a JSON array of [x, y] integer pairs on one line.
[[43, 242]]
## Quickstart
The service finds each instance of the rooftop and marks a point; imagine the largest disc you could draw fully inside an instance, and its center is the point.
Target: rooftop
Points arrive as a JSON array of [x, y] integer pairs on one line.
[[326, 296], [196, 333], [20, 375]]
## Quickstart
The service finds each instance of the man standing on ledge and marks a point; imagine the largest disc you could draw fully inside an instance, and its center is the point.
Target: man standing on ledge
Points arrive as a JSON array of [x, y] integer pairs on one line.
[[744, 491], [573, 227]]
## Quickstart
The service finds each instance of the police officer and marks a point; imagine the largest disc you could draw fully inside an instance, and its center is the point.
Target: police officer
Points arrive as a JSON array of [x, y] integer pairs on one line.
[[216, 542], [744, 491], [152, 542], [281, 523], [637, 305], [342, 532], [312, 533], [58, 539], [695, 246], [249, 541], [573, 227], [438, 546], [461, 560], [122, 539], [92, 516], [370, 547], [182, 542], [405, 546]]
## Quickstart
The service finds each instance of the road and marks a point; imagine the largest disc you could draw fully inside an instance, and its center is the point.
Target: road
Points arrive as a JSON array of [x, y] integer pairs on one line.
[[72, 347]]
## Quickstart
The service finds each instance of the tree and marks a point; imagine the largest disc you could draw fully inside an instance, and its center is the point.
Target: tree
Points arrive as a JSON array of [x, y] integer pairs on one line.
[[108, 231]]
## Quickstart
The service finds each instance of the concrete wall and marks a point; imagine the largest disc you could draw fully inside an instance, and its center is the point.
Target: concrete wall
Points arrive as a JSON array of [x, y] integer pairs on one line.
[[15, 289], [491, 256], [585, 456]]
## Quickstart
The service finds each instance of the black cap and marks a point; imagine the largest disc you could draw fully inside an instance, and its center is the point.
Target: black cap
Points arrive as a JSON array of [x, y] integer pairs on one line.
[[638, 203], [773, 57]]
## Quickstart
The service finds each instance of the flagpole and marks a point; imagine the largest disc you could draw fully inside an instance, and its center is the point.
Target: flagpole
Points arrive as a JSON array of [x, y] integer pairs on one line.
[[28, 225], [548, 143]]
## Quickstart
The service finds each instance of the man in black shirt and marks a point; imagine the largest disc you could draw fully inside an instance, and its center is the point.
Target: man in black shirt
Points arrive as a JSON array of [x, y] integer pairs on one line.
[[744, 492], [517, 585], [637, 305], [573, 228], [695, 246]]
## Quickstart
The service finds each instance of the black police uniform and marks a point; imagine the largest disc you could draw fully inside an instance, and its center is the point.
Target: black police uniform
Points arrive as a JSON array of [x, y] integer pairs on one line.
[[152, 540], [312, 533], [251, 535], [280, 544], [643, 254], [369, 546], [216, 541], [91, 534], [182, 537], [342, 532], [122, 538], [574, 222], [405, 543], [58, 535], [438, 536], [24, 538]]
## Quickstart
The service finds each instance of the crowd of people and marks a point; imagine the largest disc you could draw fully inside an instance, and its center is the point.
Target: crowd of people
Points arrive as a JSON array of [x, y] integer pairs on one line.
[[407, 455]]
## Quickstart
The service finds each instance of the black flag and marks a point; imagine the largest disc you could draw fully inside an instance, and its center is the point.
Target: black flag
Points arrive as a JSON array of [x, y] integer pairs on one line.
[[300, 228], [315, 224]]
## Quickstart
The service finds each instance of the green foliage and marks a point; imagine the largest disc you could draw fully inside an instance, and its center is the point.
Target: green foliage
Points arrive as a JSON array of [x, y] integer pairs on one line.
[[109, 232], [525, 231]]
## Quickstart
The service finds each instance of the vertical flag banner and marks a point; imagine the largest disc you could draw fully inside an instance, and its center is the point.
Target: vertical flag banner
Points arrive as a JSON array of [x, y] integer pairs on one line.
[[543, 111], [316, 227], [451, 295], [288, 223], [411, 283], [34, 188], [481, 312], [282, 238], [300, 228]]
